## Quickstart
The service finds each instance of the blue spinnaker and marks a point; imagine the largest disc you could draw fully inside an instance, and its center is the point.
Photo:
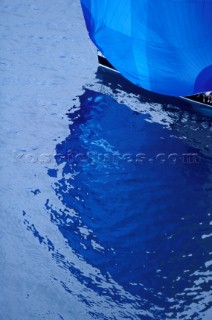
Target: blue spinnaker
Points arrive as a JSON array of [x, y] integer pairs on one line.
[[164, 46]]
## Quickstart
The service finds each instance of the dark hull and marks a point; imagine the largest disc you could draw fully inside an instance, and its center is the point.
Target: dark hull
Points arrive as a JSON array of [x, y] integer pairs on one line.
[[103, 62]]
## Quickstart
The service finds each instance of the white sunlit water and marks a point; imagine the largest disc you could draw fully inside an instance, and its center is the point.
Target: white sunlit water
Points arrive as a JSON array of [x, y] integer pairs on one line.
[[68, 256]]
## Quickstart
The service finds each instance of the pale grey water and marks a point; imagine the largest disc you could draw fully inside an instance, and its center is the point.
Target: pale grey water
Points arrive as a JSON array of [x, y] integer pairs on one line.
[[43, 67]]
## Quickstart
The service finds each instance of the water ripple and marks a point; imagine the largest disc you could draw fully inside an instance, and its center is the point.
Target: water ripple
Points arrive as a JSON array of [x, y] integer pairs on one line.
[[143, 224]]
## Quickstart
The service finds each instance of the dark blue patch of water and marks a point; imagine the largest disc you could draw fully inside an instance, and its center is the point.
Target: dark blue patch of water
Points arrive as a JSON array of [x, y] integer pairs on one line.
[[142, 196]]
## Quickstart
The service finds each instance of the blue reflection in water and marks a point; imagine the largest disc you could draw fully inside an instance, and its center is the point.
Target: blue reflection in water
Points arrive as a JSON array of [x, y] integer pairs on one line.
[[142, 205]]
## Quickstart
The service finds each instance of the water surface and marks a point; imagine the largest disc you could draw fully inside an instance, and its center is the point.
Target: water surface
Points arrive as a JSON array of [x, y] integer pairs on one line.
[[106, 189]]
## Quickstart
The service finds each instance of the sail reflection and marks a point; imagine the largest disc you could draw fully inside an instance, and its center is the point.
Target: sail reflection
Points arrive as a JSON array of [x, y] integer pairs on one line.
[[137, 196]]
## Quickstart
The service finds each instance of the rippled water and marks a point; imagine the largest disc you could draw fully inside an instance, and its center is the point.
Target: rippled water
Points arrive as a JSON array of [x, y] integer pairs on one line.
[[106, 188]]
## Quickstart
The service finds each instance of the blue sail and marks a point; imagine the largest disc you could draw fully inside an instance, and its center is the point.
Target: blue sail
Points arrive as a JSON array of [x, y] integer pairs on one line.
[[161, 45]]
